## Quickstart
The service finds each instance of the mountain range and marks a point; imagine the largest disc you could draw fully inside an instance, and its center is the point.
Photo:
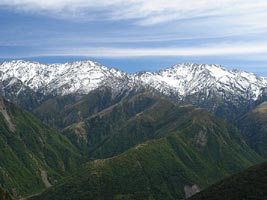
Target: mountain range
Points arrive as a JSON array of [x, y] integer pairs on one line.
[[85, 131], [209, 86], [181, 80]]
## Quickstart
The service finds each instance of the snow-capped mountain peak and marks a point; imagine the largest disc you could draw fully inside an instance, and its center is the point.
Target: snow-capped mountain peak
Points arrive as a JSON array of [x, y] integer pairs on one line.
[[188, 79], [62, 79], [180, 81]]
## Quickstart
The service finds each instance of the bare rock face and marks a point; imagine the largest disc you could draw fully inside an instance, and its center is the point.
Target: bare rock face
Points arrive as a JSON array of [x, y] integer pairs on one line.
[[191, 190], [45, 178], [201, 138], [6, 115]]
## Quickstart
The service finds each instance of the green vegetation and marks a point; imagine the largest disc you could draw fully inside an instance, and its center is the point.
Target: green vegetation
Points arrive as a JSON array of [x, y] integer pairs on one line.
[[139, 146], [248, 185], [254, 128], [144, 117], [114, 130], [32, 156], [62, 111], [170, 147], [156, 169]]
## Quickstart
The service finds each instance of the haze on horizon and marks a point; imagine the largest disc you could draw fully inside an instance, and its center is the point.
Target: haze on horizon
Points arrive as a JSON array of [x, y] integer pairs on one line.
[[137, 35]]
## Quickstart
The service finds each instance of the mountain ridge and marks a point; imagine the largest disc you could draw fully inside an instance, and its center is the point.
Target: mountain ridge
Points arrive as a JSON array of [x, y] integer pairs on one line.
[[40, 76], [104, 112], [226, 93]]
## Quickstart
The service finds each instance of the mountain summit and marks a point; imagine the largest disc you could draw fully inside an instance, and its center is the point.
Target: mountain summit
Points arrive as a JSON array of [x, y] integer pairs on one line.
[[188, 79], [209, 86], [62, 79], [84, 76]]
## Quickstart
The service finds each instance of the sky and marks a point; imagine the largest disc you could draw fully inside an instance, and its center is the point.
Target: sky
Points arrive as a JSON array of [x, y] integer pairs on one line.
[[137, 35]]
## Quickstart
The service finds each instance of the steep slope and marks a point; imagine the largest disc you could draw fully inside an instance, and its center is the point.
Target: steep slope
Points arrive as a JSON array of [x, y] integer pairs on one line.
[[32, 156], [199, 151], [254, 127], [15, 90], [175, 152], [105, 126], [4, 195], [144, 117], [248, 185]]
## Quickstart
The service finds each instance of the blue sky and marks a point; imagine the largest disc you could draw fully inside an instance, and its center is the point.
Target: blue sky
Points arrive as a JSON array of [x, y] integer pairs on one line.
[[137, 35]]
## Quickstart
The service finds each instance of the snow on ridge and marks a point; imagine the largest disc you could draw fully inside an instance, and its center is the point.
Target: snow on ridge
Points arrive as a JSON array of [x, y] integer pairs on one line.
[[189, 78], [79, 76], [179, 80]]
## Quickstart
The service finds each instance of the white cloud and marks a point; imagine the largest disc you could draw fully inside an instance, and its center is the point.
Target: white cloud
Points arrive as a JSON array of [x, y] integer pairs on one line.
[[145, 12], [175, 19], [209, 50]]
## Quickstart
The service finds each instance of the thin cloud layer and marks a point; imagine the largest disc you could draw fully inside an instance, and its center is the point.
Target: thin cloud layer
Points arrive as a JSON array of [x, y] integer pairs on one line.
[[208, 50], [224, 29], [144, 12]]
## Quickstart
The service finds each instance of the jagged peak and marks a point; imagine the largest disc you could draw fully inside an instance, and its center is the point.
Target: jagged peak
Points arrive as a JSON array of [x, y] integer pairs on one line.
[[194, 66], [179, 80], [81, 63], [185, 70], [20, 61]]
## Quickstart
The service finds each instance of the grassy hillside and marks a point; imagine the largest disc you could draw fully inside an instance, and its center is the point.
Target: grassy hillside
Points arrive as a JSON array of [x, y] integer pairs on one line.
[[248, 185], [32, 156], [173, 149], [254, 127], [158, 169]]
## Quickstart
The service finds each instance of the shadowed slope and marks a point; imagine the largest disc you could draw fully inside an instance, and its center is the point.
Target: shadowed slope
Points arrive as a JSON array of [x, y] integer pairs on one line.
[[254, 127], [248, 185]]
